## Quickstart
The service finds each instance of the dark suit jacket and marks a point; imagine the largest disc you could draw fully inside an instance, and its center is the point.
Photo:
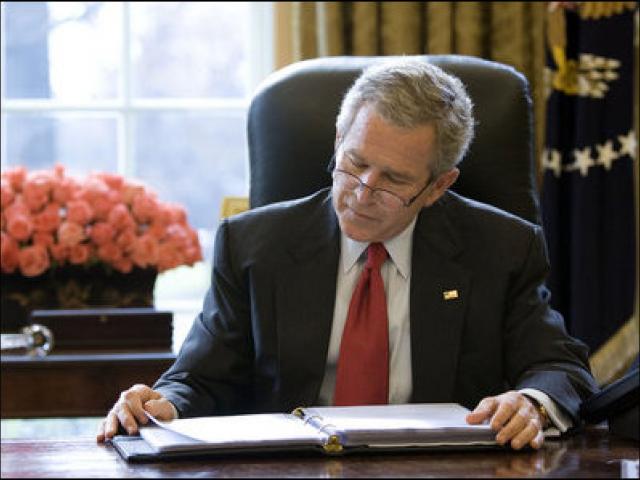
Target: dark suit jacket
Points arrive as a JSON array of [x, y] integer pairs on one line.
[[260, 343]]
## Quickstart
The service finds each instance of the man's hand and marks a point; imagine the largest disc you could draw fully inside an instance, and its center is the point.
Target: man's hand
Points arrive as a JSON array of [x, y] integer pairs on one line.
[[129, 411], [513, 416]]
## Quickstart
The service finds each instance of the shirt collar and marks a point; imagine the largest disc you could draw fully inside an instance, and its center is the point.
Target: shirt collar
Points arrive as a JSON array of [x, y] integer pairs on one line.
[[399, 248]]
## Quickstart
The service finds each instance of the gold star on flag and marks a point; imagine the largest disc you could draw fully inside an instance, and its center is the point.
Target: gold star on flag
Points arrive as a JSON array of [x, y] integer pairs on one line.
[[606, 154], [628, 144], [583, 161], [551, 160]]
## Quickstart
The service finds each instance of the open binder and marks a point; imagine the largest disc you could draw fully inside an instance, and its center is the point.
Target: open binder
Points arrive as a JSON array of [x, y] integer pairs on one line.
[[326, 430]]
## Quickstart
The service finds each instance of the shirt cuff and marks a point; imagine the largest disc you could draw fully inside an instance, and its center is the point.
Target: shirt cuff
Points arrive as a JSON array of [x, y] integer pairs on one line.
[[557, 417], [175, 411]]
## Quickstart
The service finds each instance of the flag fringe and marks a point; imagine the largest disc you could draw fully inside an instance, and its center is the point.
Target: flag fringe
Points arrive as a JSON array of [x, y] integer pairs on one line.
[[613, 358]]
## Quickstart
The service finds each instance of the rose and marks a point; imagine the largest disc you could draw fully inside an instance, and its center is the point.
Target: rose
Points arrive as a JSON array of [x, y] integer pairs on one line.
[[102, 205], [36, 189], [60, 253], [145, 251], [9, 253], [64, 189], [120, 218], [158, 230], [113, 181], [79, 211], [124, 265], [178, 214], [79, 253], [126, 240], [110, 253], [164, 215], [193, 254], [101, 233], [16, 177], [6, 193], [144, 207], [168, 257], [178, 234], [43, 238], [99, 194], [70, 233], [18, 206], [130, 190], [92, 189], [19, 224], [58, 171], [33, 260], [48, 219]]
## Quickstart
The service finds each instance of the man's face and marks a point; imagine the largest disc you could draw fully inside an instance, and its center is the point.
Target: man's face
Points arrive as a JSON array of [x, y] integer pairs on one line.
[[387, 157]]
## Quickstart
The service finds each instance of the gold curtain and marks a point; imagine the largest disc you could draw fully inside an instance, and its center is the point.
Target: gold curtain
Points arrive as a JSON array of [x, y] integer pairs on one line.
[[507, 32]]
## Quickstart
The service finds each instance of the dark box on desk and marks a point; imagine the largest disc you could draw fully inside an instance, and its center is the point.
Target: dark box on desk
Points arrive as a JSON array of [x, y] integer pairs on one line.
[[107, 328]]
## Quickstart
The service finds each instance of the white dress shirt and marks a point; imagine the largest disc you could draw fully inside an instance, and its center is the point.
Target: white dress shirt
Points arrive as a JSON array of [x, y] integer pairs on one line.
[[396, 274]]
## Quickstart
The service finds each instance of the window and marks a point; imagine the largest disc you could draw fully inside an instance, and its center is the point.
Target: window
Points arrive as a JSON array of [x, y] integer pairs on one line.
[[157, 91]]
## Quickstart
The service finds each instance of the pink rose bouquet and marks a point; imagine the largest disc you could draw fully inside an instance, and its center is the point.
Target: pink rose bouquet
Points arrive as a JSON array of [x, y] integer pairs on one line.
[[50, 219]]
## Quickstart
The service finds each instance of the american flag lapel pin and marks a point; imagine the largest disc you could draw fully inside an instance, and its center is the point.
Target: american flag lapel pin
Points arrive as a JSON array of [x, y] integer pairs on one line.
[[450, 294]]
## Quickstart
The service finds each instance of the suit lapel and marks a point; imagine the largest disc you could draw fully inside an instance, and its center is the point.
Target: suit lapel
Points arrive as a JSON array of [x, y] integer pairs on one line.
[[305, 296], [438, 298]]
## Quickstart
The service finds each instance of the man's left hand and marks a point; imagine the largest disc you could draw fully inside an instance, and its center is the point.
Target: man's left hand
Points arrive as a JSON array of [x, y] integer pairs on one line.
[[513, 416]]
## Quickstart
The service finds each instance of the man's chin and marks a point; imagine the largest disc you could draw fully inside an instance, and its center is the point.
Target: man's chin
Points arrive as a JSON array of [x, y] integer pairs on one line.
[[357, 233]]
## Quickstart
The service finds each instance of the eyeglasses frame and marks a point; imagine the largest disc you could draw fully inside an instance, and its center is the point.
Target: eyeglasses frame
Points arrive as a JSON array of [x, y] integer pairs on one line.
[[406, 203]]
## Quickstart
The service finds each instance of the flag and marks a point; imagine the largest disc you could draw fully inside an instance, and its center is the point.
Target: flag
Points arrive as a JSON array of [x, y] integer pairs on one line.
[[588, 185]]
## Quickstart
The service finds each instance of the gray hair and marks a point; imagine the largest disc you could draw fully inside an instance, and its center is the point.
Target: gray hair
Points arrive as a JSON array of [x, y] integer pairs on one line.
[[409, 93]]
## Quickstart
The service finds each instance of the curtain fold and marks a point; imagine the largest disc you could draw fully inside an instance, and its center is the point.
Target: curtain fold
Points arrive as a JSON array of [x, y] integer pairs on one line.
[[471, 28], [365, 21], [401, 28]]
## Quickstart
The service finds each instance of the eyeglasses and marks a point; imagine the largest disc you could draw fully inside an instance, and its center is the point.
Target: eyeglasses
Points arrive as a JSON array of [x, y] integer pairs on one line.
[[385, 198]]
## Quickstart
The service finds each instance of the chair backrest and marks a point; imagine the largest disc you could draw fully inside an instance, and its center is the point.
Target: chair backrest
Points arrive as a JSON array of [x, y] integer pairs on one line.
[[291, 131]]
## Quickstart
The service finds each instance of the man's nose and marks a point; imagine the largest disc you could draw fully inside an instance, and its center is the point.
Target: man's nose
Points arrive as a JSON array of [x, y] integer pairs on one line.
[[364, 191]]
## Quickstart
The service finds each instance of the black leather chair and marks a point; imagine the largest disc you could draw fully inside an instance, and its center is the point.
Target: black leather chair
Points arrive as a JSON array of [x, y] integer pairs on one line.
[[291, 131]]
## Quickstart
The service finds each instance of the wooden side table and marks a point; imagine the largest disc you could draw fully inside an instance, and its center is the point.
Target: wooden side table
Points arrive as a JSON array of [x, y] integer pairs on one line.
[[74, 384]]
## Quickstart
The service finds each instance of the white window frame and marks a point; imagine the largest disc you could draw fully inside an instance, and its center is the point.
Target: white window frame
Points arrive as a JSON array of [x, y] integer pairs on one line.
[[260, 65]]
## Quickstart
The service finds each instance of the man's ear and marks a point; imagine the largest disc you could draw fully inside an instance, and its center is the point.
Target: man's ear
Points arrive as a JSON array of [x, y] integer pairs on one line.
[[441, 185]]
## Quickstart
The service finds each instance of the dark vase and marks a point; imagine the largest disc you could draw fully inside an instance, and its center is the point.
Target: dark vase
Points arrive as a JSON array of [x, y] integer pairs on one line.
[[73, 287]]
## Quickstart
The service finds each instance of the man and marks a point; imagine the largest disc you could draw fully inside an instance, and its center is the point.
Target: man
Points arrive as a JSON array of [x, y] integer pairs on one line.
[[457, 307]]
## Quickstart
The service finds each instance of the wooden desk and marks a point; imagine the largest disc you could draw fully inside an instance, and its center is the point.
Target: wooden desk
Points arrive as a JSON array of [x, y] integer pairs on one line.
[[79, 384], [591, 454]]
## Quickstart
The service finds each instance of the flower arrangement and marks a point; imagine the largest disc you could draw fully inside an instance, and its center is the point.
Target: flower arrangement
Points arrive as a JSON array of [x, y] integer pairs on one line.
[[50, 219]]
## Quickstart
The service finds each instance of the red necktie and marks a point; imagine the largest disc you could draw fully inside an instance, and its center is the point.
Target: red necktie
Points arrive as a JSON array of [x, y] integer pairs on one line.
[[362, 376]]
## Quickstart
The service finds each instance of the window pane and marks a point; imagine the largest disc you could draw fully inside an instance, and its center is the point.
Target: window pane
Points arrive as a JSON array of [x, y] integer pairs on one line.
[[80, 142], [63, 50], [192, 158], [190, 49]]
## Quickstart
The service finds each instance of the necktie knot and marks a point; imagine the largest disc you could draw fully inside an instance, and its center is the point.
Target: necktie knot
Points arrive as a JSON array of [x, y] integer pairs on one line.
[[376, 255]]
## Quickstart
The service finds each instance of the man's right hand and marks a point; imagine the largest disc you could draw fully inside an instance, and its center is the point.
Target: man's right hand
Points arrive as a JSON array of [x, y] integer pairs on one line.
[[129, 411]]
